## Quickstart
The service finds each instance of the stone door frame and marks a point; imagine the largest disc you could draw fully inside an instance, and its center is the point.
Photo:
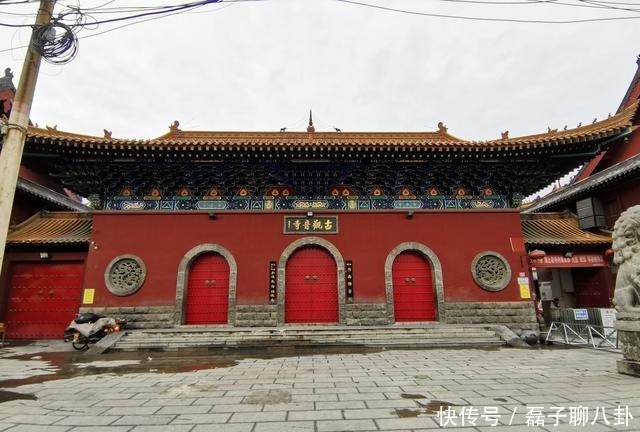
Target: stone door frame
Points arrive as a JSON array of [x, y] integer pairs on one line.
[[183, 279], [436, 271], [282, 265]]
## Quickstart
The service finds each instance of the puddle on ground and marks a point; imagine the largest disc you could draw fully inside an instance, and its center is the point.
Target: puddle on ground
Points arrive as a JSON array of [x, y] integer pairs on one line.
[[70, 364], [407, 413], [431, 407], [268, 397], [74, 364], [434, 406], [6, 396], [412, 396]]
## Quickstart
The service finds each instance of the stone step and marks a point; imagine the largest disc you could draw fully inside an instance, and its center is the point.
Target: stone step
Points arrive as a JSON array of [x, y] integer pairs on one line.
[[418, 343], [322, 331], [207, 337], [310, 328], [416, 336]]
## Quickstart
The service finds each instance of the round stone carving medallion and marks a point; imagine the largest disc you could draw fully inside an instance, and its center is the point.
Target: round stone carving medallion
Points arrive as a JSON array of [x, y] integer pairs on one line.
[[491, 271], [125, 275]]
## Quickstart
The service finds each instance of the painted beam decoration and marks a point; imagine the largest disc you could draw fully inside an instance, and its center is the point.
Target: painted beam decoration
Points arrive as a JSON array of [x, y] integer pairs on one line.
[[295, 203], [311, 224]]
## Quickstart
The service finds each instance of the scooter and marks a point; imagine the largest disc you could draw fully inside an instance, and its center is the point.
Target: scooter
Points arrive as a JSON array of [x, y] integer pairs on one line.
[[89, 328]]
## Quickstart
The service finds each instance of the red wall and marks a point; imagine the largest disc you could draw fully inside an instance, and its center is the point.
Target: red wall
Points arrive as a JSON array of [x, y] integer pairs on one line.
[[162, 239]]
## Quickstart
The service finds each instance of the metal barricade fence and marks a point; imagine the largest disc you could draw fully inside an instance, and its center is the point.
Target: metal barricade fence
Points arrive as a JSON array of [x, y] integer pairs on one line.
[[598, 337]]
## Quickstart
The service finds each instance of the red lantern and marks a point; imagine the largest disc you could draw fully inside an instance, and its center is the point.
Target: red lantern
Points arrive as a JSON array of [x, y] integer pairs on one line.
[[608, 253], [537, 254]]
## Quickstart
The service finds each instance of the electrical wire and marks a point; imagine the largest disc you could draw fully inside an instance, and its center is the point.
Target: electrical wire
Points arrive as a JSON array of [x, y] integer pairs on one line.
[[229, 3], [471, 18]]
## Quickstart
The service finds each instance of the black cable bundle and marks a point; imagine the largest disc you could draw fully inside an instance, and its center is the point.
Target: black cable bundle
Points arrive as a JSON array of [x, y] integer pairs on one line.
[[56, 42]]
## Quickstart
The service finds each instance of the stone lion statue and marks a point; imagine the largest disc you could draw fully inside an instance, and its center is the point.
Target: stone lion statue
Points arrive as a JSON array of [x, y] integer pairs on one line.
[[626, 247]]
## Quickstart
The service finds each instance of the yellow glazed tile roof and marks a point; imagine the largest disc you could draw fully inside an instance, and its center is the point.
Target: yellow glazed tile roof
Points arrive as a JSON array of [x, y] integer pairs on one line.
[[440, 140], [551, 229], [52, 228]]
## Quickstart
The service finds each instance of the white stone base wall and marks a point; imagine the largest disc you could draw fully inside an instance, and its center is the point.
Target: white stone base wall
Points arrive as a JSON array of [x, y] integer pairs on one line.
[[364, 314], [138, 317], [519, 315], [256, 315]]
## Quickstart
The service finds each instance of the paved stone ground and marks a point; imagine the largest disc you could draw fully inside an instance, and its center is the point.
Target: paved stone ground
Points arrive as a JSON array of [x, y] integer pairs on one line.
[[515, 389]]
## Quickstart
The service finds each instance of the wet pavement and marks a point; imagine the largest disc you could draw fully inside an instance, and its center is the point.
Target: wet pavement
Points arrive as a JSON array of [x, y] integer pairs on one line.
[[47, 386]]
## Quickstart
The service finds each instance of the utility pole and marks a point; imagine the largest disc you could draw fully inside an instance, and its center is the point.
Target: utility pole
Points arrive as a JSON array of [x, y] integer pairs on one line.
[[13, 143]]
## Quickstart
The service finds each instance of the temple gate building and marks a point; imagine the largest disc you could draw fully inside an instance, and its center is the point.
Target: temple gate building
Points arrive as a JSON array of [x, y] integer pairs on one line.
[[278, 228]]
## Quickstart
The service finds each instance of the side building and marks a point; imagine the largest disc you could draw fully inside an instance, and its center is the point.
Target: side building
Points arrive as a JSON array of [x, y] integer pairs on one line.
[[605, 187], [43, 268]]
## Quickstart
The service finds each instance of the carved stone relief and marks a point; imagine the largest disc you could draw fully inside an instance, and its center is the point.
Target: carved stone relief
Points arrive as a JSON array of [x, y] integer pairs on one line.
[[125, 275]]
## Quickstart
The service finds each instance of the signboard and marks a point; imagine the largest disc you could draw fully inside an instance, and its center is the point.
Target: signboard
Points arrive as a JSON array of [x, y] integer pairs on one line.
[[580, 314], [523, 283], [608, 317], [311, 224], [577, 260], [88, 295]]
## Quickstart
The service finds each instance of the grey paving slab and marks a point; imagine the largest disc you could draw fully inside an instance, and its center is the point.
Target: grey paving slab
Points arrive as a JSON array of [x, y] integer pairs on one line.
[[421, 422], [201, 418], [34, 419], [389, 390], [292, 406], [234, 427], [293, 426], [101, 429], [134, 410], [371, 413], [181, 409], [86, 420], [38, 428], [315, 415], [345, 425], [156, 428], [144, 420], [256, 417]]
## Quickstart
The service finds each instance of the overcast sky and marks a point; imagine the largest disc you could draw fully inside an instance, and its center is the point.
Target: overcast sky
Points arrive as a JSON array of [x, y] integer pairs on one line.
[[262, 65]]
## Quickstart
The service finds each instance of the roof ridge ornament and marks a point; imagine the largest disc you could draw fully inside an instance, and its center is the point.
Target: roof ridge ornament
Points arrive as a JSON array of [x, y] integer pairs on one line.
[[310, 128], [174, 126], [442, 128]]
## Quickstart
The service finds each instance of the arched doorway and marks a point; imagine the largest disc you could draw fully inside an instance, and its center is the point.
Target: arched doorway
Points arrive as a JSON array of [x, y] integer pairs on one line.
[[311, 287], [413, 288], [207, 299]]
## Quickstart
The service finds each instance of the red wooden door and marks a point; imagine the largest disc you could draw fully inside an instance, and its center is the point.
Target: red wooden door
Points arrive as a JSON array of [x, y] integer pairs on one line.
[[311, 294], [208, 290], [413, 297], [43, 299], [590, 288]]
